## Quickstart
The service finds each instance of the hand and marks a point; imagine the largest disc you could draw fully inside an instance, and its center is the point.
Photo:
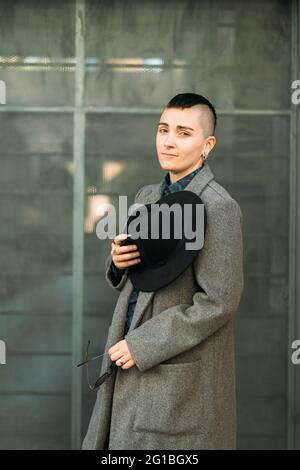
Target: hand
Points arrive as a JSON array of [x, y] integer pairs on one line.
[[124, 256], [120, 353]]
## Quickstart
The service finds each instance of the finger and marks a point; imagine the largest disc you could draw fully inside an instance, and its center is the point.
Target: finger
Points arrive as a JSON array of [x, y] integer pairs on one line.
[[113, 349], [128, 364], [120, 237], [126, 264], [122, 358], [115, 356], [124, 249], [127, 256], [117, 250], [114, 250]]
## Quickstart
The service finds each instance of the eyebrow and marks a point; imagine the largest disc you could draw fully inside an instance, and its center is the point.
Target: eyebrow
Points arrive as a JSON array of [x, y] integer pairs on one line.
[[178, 127]]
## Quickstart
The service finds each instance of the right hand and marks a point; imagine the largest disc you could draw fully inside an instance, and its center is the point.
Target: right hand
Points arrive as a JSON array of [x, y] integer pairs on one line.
[[124, 256]]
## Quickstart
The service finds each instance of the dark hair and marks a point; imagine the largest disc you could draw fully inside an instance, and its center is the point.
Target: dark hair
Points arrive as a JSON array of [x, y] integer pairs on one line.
[[187, 100]]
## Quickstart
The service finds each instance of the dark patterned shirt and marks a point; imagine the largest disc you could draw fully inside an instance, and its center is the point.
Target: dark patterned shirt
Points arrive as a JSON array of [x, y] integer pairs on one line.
[[167, 188]]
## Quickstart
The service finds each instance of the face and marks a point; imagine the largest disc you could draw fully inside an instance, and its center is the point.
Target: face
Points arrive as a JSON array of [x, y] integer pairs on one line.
[[181, 140]]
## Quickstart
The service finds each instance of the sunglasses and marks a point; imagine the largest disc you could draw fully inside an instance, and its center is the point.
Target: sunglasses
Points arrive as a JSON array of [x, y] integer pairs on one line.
[[112, 368]]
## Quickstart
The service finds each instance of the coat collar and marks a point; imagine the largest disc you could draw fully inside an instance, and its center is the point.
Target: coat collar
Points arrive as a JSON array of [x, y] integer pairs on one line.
[[197, 184], [155, 191]]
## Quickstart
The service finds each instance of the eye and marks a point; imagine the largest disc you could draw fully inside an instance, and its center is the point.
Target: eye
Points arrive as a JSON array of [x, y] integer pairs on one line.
[[161, 130], [184, 133]]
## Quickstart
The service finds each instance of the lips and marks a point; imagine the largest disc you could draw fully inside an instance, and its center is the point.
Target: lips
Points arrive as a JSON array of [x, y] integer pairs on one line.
[[169, 154]]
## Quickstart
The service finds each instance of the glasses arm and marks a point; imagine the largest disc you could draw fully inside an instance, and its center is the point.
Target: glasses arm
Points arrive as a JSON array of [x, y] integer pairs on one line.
[[87, 359], [90, 359]]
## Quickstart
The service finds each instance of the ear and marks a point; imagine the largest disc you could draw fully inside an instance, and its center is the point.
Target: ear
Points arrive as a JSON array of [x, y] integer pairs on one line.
[[210, 143]]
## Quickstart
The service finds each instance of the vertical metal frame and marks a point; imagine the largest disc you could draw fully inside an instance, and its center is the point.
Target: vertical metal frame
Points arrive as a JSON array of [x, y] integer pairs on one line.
[[294, 238], [78, 226]]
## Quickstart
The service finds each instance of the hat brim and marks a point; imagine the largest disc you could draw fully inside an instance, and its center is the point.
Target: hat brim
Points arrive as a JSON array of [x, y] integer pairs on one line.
[[155, 278]]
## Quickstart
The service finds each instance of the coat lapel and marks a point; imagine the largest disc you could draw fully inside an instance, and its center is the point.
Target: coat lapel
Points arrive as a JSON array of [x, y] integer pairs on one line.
[[197, 184]]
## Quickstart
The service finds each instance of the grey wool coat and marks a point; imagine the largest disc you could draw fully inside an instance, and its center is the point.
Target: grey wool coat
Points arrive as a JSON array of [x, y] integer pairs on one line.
[[181, 392]]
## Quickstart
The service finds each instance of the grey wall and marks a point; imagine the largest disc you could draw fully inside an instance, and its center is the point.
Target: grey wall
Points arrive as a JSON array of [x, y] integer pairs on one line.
[[86, 82]]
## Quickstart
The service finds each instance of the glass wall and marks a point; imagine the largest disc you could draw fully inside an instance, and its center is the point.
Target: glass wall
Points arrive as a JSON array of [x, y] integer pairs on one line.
[[84, 107], [36, 204]]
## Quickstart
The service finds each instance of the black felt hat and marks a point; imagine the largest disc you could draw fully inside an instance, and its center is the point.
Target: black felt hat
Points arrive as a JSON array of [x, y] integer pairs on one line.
[[165, 250]]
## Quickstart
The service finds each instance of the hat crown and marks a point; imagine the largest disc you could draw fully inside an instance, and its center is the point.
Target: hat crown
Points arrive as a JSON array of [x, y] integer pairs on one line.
[[158, 237], [163, 256], [162, 231]]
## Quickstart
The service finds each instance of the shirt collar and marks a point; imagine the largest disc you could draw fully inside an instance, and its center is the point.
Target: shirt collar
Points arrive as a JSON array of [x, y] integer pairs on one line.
[[180, 184]]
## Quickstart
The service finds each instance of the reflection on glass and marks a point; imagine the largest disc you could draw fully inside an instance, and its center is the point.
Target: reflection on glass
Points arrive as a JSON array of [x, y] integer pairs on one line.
[[97, 206]]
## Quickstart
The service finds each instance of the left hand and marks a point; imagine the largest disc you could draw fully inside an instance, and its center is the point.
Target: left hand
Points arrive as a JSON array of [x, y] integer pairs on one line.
[[120, 353]]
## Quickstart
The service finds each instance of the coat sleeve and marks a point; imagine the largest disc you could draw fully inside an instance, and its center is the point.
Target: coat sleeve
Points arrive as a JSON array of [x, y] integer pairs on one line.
[[218, 269], [115, 277]]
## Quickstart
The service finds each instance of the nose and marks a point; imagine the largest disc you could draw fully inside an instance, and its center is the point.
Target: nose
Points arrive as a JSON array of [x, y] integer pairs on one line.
[[169, 140]]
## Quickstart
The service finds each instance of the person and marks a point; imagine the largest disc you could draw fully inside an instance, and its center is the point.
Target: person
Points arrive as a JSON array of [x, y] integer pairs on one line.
[[174, 387]]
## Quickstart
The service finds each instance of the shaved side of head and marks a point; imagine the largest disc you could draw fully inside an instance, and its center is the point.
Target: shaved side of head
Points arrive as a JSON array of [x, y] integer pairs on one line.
[[206, 119]]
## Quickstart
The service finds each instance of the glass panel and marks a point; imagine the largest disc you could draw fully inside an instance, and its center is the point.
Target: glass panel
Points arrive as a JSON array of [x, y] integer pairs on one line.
[[251, 161], [148, 51], [36, 279], [121, 154], [37, 59]]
